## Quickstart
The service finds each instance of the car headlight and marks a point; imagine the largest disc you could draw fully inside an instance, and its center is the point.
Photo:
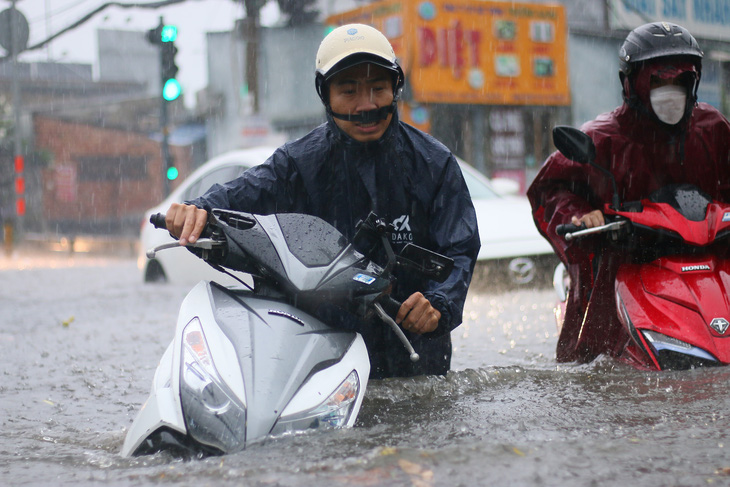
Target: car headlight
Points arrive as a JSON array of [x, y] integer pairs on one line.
[[213, 414], [334, 412]]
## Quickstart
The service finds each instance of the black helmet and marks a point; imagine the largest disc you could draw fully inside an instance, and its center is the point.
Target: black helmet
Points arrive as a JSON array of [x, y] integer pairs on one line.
[[658, 39], [643, 53]]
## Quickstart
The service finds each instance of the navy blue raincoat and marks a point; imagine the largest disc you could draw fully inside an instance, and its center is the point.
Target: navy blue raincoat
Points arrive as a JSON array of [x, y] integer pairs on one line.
[[408, 178]]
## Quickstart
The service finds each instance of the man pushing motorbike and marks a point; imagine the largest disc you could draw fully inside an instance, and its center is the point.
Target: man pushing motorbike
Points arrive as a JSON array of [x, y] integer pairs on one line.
[[660, 135], [364, 159]]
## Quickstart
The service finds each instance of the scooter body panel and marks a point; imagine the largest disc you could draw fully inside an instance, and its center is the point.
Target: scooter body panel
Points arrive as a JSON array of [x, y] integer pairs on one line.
[[287, 359], [278, 347], [160, 411], [683, 298]]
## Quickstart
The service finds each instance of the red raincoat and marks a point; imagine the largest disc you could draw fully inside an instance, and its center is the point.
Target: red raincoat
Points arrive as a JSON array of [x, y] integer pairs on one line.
[[643, 156]]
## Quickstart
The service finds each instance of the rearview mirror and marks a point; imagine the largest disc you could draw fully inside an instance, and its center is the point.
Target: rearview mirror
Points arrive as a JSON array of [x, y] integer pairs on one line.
[[430, 264], [574, 144]]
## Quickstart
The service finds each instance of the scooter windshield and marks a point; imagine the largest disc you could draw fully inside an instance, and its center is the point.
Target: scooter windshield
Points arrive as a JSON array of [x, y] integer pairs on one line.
[[687, 199], [313, 241]]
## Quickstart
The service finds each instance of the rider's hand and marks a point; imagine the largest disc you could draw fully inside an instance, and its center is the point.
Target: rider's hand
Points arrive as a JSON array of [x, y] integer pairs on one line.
[[592, 219], [186, 222], [417, 315]]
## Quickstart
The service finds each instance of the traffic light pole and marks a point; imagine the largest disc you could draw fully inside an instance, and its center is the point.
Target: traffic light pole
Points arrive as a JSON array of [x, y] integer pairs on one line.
[[166, 156], [164, 36], [167, 160]]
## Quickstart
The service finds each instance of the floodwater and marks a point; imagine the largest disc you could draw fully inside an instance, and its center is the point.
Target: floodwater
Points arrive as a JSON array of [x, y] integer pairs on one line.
[[81, 337]]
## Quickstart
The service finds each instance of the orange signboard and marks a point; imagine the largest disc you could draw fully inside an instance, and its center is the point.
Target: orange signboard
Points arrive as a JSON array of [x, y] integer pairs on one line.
[[471, 51]]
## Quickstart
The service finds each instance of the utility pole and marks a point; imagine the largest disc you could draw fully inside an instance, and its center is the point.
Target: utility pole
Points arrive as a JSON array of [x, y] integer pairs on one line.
[[17, 147], [14, 31], [250, 34]]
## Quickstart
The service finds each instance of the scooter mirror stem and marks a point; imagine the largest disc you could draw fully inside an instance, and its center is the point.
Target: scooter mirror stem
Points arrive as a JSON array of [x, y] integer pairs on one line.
[[578, 146], [389, 253], [615, 201]]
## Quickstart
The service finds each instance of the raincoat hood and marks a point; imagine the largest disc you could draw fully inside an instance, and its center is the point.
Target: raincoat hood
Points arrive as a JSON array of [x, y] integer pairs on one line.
[[637, 89]]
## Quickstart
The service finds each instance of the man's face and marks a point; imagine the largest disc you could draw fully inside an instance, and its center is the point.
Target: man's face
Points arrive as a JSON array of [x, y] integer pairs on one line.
[[359, 89]]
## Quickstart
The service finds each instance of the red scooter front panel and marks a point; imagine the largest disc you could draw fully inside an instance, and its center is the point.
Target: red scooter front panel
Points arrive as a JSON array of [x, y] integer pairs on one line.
[[686, 298]]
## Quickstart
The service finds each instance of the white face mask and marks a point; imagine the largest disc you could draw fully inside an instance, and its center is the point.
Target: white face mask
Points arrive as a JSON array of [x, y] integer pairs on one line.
[[669, 103]]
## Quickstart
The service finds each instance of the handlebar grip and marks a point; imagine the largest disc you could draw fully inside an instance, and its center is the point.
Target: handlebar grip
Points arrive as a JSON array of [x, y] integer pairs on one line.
[[569, 228], [390, 305], [158, 221]]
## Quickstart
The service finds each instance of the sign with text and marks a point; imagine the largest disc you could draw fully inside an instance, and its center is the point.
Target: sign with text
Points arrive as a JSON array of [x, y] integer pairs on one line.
[[708, 19], [470, 51]]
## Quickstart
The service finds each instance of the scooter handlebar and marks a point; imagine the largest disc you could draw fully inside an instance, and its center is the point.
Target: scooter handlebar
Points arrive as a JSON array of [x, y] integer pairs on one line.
[[158, 221], [565, 228], [390, 305], [582, 231]]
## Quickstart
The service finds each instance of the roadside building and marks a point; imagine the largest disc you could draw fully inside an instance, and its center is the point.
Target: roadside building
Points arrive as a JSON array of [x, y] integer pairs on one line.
[[93, 157]]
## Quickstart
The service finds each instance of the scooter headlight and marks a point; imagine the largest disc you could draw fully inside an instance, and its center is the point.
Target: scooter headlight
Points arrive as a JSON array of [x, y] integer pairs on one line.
[[213, 414], [334, 412], [672, 353]]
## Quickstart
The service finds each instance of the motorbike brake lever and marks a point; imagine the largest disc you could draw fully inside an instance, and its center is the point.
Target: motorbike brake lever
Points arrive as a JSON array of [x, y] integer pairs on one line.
[[384, 316], [203, 243]]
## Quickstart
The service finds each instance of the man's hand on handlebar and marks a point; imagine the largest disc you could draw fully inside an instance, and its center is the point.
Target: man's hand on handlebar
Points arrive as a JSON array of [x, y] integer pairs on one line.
[[592, 219], [417, 315], [186, 222]]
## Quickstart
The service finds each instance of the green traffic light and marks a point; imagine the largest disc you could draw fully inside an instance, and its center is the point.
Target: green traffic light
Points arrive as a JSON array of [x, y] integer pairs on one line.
[[171, 90], [172, 173], [169, 33]]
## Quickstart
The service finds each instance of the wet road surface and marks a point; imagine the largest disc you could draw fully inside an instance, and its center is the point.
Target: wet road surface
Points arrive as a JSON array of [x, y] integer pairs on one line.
[[80, 343]]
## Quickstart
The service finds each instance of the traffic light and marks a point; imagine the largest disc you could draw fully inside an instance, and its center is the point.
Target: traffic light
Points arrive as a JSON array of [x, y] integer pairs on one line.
[[172, 173], [171, 88], [164, 36]]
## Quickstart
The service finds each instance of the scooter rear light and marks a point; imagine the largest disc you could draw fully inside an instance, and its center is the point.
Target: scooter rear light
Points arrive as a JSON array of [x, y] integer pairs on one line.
[[213, 415], [334, 412]]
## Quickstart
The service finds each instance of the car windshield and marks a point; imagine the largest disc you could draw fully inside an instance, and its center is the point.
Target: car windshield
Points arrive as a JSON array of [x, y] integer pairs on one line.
[[216, 176], [477, 189]]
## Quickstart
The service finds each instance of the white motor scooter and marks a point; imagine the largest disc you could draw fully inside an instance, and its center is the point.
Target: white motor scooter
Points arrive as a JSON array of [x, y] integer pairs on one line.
[[247, 364]]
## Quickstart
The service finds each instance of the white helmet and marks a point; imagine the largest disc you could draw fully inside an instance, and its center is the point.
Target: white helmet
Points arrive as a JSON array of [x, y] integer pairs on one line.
[[350, 45]]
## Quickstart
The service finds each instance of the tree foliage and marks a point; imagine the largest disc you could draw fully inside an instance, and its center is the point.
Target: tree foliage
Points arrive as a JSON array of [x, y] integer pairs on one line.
[[300, 12]]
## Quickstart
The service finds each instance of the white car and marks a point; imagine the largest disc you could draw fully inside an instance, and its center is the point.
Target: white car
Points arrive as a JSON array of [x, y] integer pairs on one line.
[[511, 244], [509, 238]]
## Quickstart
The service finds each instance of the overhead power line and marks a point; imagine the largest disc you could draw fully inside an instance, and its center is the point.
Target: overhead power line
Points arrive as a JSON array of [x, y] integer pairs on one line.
[[85, 18]]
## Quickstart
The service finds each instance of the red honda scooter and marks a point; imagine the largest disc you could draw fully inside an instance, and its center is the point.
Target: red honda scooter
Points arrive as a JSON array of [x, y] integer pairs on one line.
[[672, 287]]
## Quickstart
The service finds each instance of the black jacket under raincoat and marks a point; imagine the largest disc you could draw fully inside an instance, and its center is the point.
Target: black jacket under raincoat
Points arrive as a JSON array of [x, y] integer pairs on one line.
[[408, 178]]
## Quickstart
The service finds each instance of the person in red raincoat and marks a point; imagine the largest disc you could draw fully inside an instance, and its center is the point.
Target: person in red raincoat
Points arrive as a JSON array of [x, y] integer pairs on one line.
[[660, 135]]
